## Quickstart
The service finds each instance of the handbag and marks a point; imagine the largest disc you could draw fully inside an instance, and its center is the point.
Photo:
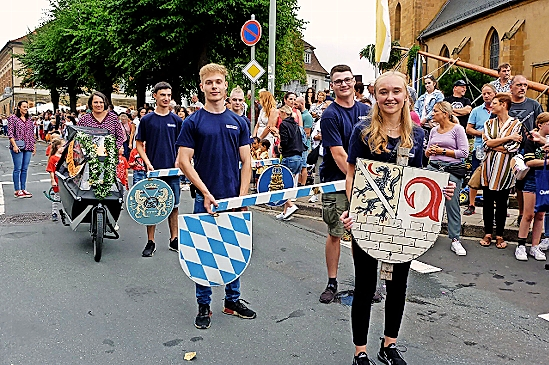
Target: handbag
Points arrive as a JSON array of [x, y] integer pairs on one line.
[[474, 181], [20, 144], [312, 158], [518, 167], [542, 188], [459, 170]]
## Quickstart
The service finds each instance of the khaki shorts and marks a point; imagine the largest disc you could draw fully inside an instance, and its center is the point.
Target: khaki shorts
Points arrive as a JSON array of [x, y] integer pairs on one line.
[[333, 205]]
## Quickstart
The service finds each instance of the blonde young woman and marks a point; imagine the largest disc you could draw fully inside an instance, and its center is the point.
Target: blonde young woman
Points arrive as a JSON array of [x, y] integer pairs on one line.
[[375, 139], [266, 121]]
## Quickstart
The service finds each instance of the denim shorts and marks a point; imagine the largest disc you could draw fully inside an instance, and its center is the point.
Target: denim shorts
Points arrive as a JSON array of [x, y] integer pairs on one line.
[[173, 182], [529, 184], [304, 155], [293, 163]]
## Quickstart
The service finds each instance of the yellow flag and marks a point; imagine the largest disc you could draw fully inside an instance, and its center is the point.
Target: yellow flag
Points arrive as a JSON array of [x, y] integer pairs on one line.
[[383, 31]]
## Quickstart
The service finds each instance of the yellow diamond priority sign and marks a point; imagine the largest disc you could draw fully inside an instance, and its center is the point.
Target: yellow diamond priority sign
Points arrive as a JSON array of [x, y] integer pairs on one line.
[[253, 70]]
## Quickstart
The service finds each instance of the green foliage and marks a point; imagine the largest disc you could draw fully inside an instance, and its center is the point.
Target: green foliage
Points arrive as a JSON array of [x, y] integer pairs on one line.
[[369, 52], [446, 82], [412, 54], [140, 42]]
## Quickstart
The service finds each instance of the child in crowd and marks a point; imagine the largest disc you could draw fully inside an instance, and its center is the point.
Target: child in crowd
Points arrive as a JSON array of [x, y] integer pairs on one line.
[[57, 147], [122, 169], [256, 148], [263, 153], [137, 165], [54, 135]]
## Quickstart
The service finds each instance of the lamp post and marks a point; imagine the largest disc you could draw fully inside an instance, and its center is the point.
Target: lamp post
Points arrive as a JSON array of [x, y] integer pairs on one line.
[[272, 45]]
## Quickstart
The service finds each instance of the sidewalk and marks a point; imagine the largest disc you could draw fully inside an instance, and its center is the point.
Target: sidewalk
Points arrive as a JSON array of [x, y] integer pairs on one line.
[[471, 226]]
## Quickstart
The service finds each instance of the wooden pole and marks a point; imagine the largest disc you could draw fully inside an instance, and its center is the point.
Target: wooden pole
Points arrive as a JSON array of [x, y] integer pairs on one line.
[[542, 88]]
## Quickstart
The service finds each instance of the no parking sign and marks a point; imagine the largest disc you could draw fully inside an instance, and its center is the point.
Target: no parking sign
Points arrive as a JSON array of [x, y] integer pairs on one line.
[[251, 32]]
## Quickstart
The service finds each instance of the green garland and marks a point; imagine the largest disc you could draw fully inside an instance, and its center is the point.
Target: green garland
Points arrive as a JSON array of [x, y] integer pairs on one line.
[[412, 54], [102, 187]]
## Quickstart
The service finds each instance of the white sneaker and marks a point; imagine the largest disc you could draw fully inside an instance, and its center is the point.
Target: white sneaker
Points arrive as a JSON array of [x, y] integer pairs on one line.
[[313, 199], [280, 216], [537, 253], [458, 248], [520, 253], [544, 244], [291, 210], [185, 187]]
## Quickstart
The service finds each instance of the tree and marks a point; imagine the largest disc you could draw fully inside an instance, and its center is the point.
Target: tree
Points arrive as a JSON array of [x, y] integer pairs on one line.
[[369, 52], [474, 79]]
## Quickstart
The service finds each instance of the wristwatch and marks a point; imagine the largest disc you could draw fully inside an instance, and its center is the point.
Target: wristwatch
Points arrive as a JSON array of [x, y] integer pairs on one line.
[[444, 152]]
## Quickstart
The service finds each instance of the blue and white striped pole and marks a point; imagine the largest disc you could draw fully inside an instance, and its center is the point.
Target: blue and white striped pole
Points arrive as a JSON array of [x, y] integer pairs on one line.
[[178, 172], [274, 196]]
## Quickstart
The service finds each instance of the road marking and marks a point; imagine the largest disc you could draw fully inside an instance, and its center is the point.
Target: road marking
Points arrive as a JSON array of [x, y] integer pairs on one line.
[[2, 210], [544, 316], [423, 268]]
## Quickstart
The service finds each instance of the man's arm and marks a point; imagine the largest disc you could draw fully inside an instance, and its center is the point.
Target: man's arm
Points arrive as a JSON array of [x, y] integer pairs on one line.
[[340, 158], [185, 156], [472, 131], [463, 111], [246, 171], [141, 149]]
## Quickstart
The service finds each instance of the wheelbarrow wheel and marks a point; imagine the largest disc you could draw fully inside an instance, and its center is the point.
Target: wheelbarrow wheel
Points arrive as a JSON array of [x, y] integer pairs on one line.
[[98, 235]]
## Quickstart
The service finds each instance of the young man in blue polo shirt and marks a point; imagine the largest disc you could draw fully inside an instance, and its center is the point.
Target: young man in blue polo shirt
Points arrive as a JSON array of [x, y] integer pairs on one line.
[[160, 130], [337, 123], [217, 139]]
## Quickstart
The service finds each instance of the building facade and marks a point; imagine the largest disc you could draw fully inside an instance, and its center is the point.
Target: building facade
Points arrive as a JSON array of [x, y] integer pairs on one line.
[[481, 32]]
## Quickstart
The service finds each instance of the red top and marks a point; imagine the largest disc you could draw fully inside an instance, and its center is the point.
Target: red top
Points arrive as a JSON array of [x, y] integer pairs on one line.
[[52, 167], [122, 170], [134, 157]]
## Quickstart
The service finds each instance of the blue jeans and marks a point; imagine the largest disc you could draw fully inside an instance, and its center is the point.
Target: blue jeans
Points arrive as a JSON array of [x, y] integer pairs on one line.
[[21, 162], [294, 163], [452, 206], [138, 175], [204, 293]]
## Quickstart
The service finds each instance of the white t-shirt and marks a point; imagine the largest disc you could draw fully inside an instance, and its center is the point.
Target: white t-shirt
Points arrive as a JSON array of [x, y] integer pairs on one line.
[[4, 121]]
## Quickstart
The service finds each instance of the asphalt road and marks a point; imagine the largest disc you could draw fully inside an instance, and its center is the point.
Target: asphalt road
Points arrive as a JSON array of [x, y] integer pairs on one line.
[[58, 306]]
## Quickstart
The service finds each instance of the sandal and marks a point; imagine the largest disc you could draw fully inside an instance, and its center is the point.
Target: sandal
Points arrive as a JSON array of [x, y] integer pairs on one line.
[[487, 241], [500, 243]]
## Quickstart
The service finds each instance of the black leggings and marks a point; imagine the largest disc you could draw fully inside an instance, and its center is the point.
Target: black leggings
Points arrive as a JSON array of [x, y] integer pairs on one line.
[[500, 197], [365, 287]]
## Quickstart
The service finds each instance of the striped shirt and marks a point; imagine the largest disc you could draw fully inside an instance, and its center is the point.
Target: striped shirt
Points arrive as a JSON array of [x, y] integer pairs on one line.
[[110, 123], [496, 168], [21, 130]]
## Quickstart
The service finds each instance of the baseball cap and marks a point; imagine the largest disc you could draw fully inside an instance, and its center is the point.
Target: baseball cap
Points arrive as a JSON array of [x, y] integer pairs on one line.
[[460, 83]]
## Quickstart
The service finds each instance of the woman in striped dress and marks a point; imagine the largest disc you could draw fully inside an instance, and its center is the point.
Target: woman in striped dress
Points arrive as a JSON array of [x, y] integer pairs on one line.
[[502, 137]]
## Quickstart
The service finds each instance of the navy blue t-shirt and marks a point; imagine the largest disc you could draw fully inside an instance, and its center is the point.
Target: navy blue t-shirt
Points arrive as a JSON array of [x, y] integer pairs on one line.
[[336, 126], [160, 134], [216, 139], [358, 148]]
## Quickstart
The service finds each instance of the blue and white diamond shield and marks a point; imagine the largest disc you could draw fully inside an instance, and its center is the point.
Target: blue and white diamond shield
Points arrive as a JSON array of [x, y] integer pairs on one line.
[[215, 251]]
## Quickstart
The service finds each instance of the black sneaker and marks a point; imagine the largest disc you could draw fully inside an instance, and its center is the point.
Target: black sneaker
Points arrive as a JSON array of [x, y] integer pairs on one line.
[[204, 317], [328, 294], [390, 355], [470, 210], [174, 245], [54, 217], [238, 309], [149, 250], [362, 359]]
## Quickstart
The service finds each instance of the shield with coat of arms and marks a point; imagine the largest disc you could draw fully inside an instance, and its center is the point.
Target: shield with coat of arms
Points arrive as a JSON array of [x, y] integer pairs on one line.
[[150, 201], [215, 250]]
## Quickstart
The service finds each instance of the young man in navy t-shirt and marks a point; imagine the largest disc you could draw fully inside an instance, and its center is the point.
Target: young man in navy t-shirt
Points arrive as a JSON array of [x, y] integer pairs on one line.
[[160, 130], [217, 139], [336, 126]]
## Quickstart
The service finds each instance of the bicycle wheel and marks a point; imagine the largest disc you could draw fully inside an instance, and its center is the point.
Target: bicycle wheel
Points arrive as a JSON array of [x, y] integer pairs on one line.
[[98, 234]]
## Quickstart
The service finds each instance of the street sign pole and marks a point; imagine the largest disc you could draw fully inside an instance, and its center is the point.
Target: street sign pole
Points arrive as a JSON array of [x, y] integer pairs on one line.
[[252, 100], [272, 42]]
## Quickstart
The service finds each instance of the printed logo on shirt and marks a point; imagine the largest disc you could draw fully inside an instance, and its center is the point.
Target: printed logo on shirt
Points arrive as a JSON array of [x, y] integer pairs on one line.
[[171, 125], [543, 192], [230, 126], [363, 118]]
